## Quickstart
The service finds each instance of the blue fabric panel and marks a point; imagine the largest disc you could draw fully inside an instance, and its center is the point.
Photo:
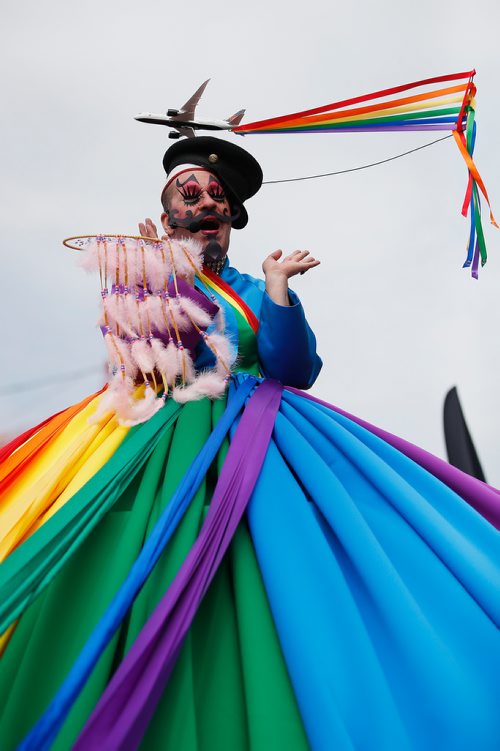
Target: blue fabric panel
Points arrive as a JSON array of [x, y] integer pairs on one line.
[[384, 589]]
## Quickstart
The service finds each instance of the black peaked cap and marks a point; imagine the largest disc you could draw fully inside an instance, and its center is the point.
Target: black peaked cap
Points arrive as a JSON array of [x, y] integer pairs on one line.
[[239, 171]]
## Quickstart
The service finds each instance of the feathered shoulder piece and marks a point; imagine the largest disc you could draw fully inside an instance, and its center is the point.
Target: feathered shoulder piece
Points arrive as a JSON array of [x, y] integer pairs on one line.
[[151, 319]]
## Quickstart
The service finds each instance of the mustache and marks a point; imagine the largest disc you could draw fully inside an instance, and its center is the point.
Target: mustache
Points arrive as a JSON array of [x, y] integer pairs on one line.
[[194, 224]]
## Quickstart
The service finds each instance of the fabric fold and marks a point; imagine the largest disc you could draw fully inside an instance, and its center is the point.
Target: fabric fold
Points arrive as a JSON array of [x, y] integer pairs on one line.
[[126, 707]]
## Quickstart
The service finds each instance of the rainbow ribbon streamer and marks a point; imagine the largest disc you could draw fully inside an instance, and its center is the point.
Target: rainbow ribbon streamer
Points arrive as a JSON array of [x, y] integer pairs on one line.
[[440, 106]]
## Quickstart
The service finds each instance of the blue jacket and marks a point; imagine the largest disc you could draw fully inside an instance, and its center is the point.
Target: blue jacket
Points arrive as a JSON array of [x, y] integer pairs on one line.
[[286, 345]]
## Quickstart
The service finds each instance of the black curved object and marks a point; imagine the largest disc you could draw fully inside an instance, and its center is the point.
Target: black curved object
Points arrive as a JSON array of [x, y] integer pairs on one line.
[[459, 445]]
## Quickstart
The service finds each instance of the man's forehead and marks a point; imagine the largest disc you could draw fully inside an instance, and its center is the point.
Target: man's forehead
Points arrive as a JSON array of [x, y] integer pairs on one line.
[[203, 177]]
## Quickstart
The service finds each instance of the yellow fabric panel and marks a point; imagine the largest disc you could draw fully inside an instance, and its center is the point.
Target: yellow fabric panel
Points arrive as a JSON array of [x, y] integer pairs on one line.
[[60, 469]]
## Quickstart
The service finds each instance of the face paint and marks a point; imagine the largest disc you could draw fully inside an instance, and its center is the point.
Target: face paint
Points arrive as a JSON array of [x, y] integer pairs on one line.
[[215, 190], [199, 205], [194, 224], [190, 190]]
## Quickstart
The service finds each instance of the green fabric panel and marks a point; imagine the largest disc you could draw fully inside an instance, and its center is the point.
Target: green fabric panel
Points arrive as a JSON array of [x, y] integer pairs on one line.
[[229, 689], [28, 570], [248, 357], [273, 718]]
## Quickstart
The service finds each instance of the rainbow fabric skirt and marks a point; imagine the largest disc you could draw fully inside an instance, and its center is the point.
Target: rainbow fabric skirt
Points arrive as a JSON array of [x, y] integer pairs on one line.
[[260, 572]]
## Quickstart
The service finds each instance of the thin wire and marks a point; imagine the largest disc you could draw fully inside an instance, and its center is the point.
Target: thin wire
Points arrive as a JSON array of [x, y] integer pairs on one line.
[[355, 169], [76, 375]]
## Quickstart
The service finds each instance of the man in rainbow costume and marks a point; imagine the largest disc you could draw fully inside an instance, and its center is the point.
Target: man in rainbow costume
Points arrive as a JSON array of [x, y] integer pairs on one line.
[[258, 571]]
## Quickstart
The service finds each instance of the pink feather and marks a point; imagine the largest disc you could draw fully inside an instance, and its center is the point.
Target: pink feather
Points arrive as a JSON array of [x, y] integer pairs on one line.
[[167, 360], [176, 312], [225, 350], [195, 251], [115, 399], [188, 369], [157, 272], [207, 384], [141, 410], [155, 311], [143, 356], [195, 312]]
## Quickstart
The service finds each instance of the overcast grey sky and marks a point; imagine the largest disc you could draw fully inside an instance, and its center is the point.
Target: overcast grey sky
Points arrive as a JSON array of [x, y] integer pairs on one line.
[[397, 320]]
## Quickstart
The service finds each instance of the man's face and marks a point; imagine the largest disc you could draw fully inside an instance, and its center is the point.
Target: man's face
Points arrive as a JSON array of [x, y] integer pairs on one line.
[[196, 194]]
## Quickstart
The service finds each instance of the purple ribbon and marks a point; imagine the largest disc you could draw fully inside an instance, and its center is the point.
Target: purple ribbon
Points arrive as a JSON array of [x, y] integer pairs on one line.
[[125, 709], [475, 262], [479, 495]]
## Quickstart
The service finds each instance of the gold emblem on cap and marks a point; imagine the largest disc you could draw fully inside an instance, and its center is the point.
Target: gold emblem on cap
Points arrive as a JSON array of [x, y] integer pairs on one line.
[[213, 158]]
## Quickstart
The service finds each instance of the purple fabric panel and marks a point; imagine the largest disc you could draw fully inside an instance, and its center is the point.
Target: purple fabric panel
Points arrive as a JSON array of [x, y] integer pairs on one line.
[[482, 497], [123, 713]]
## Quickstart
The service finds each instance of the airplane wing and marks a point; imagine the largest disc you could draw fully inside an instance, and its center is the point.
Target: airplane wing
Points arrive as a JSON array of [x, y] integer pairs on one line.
[[188, 109], [185, 131]]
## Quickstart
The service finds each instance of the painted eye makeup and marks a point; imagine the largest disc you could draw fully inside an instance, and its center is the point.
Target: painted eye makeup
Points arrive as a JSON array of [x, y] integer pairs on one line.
[[190, 192], [216, 192]]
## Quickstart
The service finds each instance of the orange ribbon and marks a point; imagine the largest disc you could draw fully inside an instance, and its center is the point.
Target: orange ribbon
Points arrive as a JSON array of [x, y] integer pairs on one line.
[[461, 143]]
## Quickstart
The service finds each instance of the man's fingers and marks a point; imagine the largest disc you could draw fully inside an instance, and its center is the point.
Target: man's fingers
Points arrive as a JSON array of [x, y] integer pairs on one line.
[[297, 255], [309, 264], [142, 229], [151, 230], [151, 224]]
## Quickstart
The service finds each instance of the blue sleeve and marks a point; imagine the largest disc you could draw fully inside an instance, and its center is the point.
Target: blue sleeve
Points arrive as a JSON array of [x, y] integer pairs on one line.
[[286, 344]]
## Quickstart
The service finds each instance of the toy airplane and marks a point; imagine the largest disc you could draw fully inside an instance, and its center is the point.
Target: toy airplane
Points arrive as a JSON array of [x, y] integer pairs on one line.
[[184, 121]]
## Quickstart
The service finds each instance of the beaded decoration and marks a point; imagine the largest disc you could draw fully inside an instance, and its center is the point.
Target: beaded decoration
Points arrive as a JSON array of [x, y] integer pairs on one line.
[[143, 319]]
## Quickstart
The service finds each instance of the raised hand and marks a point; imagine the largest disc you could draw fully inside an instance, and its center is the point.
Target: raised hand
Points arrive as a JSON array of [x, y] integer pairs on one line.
[[297, 262], [148, 229], [279, 272]]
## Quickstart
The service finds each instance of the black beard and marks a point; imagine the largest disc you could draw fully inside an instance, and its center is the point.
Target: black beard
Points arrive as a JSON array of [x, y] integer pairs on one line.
[[213, 251], [214, 257]]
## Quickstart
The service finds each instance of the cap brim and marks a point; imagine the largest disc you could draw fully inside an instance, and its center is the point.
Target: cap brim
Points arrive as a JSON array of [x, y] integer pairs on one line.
[[242, 220]]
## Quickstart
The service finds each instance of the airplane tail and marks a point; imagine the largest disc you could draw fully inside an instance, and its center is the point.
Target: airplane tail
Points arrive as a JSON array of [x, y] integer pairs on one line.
[[235, 119]]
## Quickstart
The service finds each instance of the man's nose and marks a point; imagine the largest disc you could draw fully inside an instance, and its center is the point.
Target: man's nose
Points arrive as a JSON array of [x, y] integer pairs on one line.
[[207, 202]]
